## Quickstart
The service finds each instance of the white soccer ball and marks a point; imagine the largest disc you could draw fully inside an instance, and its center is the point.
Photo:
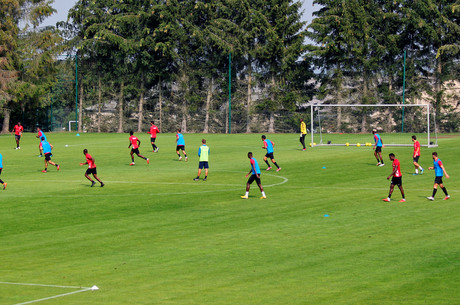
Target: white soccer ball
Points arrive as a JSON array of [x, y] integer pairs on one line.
[[66, 145]]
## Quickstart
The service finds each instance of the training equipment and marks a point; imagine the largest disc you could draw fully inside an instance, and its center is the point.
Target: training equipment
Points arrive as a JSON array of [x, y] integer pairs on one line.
[[340, 124], [358, 144], [347, 144]]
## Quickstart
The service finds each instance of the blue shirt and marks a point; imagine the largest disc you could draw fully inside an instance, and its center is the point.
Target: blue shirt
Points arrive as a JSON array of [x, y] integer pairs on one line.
[[43, 136], [180, 139], [1, 161], [378, 140], [46, 147], [255, 166], [269, 146], [437, 168]]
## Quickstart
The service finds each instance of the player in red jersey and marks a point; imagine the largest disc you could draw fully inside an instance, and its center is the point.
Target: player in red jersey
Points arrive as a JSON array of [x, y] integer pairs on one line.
[[153, 135], [18, 129], [135, 142], [396, 180], [91, 168], [416, 155]]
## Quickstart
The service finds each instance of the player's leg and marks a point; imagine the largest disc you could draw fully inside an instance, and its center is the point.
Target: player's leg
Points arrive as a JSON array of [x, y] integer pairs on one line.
[[185, 154], [276, 164], [402, 193], [302, 141], [132, 156], [376, 156], [435, 189], [381, 159], [205, 174], [141, 156], [248, 186], [55, 164], [388, 199], [199, 173], [88, 177], [40, 149], [97, 178], [443, 188]]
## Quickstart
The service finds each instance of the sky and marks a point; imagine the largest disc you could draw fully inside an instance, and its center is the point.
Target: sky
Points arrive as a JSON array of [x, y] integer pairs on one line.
[[63, 6]]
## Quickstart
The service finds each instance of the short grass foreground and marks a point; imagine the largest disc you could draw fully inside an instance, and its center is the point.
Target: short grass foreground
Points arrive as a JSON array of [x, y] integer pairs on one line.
[[152, 235]]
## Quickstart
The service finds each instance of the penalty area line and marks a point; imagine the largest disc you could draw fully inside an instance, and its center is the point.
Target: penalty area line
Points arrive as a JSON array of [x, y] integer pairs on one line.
[[82, 289]]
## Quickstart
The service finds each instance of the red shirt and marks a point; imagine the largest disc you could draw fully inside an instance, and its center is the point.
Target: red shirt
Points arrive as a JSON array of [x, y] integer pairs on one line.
[[416, 148], [153, 131], [397, 167], [90, 161], [18, 130], [133, 140]]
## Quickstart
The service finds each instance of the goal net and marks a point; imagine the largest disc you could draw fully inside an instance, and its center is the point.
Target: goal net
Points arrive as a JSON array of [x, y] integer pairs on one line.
[[353, 124]]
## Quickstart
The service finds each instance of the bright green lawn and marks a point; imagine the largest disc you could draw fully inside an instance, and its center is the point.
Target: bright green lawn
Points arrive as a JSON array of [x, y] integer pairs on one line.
[[154, 236]]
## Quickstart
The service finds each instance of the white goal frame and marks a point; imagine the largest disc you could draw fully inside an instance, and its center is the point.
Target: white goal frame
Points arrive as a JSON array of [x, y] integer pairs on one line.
[[430, 142]]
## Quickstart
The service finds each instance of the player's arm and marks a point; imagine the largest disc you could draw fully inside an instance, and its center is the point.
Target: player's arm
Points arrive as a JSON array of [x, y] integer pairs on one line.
[[392, 173], [129, 144], [250, 171], [265, 145], [273, 144], [51, 146], [199, 151], [84, 163], [138, 142], [444, 170]]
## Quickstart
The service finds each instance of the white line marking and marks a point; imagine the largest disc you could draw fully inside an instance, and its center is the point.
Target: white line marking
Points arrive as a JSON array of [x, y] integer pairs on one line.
[[82, 289]]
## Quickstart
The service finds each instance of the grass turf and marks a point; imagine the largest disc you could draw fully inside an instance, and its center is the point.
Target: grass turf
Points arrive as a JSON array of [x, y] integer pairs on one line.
[[154, 236]]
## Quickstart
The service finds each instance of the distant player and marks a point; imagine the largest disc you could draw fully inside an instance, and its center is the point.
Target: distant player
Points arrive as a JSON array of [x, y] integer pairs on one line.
[[439, 172], [396, 180], [269, 146], [153, 136], [91, 168], [1, 168], [416, 155], [135, 143], [18, 129], [47, 147], [378, 148], [303, 133], [203, 153], [40, 135], [180, 144], [255, 175]]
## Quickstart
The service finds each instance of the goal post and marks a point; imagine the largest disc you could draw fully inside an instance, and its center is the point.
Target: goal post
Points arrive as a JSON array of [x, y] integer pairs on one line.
[[352, 124]]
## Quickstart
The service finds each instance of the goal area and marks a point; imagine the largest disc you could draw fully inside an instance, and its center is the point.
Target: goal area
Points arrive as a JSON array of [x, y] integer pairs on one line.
[[352, 124]]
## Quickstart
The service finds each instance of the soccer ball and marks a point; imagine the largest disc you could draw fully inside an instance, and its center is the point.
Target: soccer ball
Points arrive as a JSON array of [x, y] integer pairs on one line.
[[347, 144], [358, 144]]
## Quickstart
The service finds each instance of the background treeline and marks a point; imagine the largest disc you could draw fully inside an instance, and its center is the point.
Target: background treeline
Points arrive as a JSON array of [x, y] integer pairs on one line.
[[170, 61]]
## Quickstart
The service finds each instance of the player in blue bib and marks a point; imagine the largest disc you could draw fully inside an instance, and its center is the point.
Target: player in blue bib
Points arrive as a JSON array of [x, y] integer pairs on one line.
[[180, 144], [1, 168], [378, 148], [269, 146], [47, 147], [255, 176], [439, 171]]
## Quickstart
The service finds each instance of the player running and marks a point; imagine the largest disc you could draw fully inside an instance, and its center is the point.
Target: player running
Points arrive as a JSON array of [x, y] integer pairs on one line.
[[396, 180], [416, 156], [303, 133], [255, 170], [40, 135], [180, 144], [18, 129], [203, 153], [268, 145], [153, 136], [378, 148], [91, 168], [135, 143], [47, 147], [439, 172], [1, 168]]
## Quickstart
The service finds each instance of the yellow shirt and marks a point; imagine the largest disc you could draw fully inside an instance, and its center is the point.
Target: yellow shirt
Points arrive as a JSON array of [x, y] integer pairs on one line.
[[303, 127]]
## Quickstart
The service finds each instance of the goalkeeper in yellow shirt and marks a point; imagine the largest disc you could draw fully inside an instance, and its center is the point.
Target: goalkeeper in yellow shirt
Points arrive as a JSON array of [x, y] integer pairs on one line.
[[303, 133]]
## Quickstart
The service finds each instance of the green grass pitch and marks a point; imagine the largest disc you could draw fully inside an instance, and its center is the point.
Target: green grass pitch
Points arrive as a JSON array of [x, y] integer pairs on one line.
[[152, 235]]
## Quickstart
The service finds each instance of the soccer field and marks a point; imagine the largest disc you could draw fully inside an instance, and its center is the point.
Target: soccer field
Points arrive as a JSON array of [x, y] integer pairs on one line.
[[152, 235]]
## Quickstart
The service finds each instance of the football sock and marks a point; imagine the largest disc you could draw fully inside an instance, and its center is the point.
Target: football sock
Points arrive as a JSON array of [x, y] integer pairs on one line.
[[205, 177], [263, 194], [185, 155], [434, 192], [178, 155], [389, 195], [1, 181], [445, 191], [276, 164], [266, 161], [247, 194], [416, 170]]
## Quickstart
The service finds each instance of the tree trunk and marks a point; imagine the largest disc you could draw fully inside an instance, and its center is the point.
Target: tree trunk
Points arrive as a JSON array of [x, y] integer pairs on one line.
[[388, 112], [6, 120], [271, 126], [364, 112], [438, 97], [160, 101], [99, 102], [141, 105], [120, 109], [80, 109], [249, 100], [184, 81], [208, 103]]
